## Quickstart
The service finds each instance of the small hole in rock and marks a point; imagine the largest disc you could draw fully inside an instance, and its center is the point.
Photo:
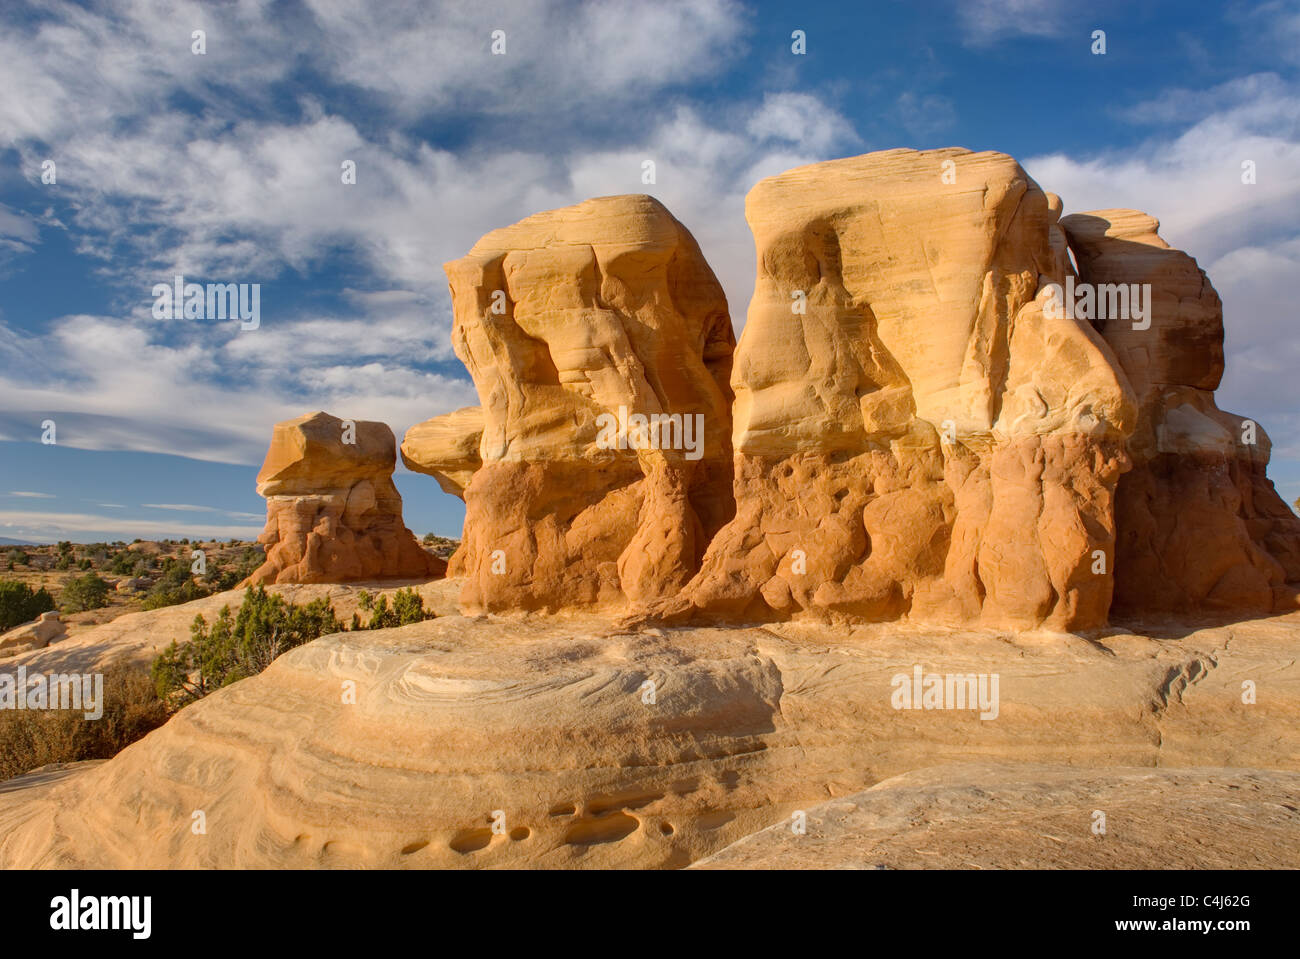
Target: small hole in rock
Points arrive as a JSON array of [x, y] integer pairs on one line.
[[471, 840]]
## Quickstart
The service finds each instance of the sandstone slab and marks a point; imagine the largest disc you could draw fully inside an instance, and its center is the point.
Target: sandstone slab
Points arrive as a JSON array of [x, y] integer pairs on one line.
[[549, 723], [34, 635], [991, 816]]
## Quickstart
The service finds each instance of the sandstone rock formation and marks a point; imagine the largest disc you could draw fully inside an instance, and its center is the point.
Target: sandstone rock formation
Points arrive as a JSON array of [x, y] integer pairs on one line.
[[921, 427], [574, 324], [994, 816], [914, 434], [34, 635], [446, 448], [548, 720], [1200, 524], [333, 514]]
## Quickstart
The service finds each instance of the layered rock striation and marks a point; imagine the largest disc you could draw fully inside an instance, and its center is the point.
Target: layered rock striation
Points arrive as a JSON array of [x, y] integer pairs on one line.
[[1200, 525], [598, 466], [333, 514], [482, 742], [915, 434]]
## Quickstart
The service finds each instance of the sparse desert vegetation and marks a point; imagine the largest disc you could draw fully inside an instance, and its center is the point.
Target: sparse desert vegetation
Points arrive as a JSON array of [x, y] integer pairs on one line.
[[94, 583], [19, 603], [30, 739]]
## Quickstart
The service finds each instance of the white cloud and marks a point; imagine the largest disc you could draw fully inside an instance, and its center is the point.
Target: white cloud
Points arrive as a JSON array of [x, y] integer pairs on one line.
[[924, 115], [1192, 181], [987, 21], [1257, 99], [247, 203], [560, 55], [45, 527], [802, 119], [1246, 237], [192, 399], [17, 226], [29, 495], [191, 508]]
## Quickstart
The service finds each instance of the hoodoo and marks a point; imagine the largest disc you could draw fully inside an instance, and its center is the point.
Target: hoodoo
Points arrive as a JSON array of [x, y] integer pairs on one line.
[[567, 318], [333, 514]]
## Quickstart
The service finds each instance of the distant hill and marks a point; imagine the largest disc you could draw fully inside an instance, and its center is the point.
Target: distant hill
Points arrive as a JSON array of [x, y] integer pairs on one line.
[[15, 542]]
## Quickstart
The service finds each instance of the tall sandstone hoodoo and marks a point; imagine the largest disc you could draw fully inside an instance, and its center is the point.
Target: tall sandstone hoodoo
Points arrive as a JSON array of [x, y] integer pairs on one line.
[[570, 321], [915, 435], [333, 514], [1200, 524]]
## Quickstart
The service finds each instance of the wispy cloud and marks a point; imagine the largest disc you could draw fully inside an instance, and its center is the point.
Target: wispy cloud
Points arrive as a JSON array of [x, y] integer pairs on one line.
[[1244, 235], [45, 526], [987, 21], [191, 508]]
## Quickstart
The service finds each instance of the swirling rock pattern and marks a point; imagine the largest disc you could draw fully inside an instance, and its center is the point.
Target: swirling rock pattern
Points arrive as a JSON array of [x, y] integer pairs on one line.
[[406, 747]]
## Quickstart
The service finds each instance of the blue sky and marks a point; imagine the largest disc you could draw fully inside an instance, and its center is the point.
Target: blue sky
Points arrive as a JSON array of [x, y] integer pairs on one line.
[[225, 167]]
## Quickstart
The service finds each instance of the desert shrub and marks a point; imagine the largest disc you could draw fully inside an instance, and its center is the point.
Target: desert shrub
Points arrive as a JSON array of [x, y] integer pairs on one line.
[[175, 585], [32, 738], [236, 647], [84, 592], [18, 557], [19, 603], [125, 562], [219, 580], [407, 608]]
